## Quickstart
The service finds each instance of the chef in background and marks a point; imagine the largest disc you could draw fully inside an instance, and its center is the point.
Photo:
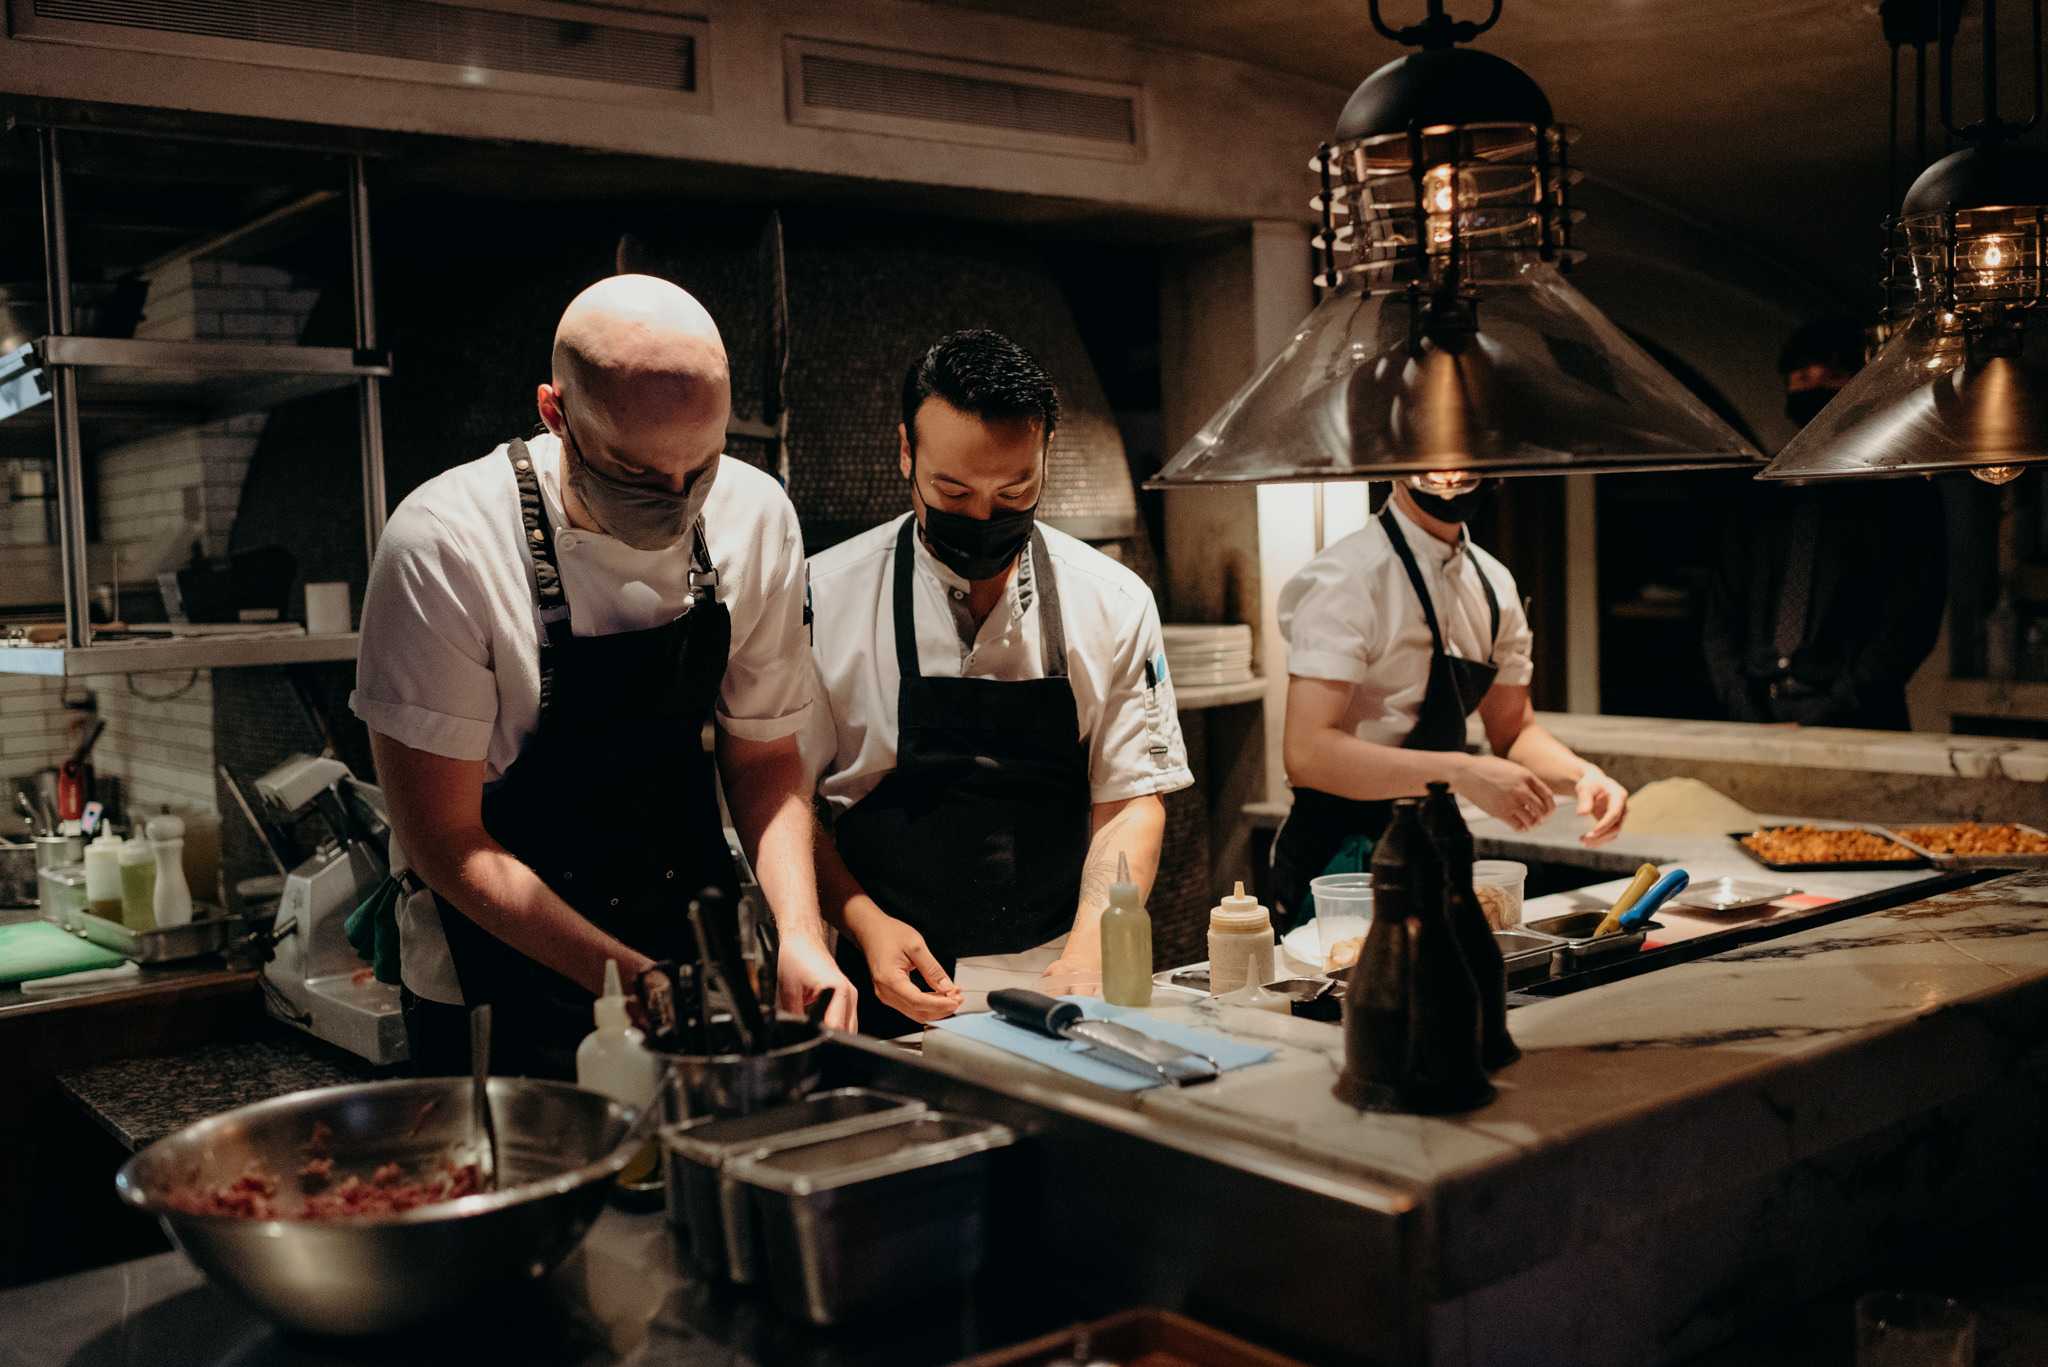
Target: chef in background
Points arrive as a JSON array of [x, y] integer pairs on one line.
[[546, 632], [1395, 635], [994, 725], [1825, 598]]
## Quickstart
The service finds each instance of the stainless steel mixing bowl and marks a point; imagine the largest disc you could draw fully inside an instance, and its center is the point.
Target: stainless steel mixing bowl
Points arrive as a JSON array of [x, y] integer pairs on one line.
[[558, 1148]]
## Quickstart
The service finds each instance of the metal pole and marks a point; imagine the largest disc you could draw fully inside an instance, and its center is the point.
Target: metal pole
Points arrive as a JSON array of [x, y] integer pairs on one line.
[[369, 387], [64, 402]]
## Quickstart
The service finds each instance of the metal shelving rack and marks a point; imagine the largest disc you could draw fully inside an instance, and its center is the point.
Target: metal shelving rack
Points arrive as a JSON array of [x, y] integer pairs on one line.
[[163, 385]]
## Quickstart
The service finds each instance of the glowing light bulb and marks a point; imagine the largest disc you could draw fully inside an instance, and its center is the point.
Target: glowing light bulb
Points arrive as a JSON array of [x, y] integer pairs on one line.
[[1997, 474], [1994, 254], [1440, 203], [1444, 483]]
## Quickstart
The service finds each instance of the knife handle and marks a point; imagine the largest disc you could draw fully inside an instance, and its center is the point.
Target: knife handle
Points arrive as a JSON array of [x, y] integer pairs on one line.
[[1034, 1010], [1668, 887]]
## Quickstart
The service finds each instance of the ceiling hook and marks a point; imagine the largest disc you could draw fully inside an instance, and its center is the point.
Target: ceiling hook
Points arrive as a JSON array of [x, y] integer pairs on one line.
[[1437, 29]]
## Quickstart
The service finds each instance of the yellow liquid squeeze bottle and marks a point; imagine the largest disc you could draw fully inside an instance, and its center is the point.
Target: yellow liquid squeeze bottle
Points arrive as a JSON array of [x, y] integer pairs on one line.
[[1126, 943]]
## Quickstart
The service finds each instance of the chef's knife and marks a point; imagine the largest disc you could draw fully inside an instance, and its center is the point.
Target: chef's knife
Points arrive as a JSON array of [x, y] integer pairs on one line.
[[1107, 1041]]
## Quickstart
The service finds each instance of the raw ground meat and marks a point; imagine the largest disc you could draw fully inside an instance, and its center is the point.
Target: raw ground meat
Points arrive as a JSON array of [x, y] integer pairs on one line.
[[253, 1195]]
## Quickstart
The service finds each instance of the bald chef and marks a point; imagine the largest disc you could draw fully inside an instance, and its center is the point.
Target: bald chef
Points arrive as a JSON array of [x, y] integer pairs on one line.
[[545, 634], [994, 723]]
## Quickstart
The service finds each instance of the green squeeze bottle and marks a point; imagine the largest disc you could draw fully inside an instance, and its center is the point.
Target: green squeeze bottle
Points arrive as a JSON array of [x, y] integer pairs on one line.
[[1126, 943]]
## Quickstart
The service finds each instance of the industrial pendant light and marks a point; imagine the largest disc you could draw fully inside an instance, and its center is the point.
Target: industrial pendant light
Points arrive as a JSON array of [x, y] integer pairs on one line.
[[1963, 382], [1448, 345]]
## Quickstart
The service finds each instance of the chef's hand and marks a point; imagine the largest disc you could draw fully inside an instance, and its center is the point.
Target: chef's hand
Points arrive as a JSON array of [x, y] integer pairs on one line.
[[803, 971], [894, 951], [1504, 789], [1606, 801], [1082, 961]]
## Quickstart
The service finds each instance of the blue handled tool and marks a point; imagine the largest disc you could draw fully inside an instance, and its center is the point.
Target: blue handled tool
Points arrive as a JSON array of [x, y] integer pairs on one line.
[[1667, 887]]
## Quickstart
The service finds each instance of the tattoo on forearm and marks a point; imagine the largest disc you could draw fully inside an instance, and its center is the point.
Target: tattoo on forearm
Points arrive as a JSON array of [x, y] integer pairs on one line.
[[1100, 870]]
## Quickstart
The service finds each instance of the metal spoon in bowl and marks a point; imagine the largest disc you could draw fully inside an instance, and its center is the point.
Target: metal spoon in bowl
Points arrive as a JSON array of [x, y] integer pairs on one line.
[[480, 1097]]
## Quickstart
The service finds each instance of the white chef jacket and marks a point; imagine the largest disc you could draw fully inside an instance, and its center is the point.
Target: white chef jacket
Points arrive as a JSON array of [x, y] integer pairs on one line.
[[1116, 661], [1352, 616], [450, 657]]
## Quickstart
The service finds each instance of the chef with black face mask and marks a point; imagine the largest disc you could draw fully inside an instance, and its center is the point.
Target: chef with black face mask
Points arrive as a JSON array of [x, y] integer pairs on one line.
[[1395, 635], [994, 726], [546, 633]]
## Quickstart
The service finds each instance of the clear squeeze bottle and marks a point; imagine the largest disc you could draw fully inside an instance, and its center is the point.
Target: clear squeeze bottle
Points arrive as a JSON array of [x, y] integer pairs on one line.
[[138, 885], [614, 1059], [1126, 943], [103, 875], [1240, 943]]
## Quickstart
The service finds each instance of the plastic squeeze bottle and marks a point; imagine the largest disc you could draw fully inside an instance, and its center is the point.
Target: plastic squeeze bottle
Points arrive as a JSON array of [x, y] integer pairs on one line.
[[1126, 943], [103, 875], [1240, 943], [138, 885], [173, 897], [614, 1059]]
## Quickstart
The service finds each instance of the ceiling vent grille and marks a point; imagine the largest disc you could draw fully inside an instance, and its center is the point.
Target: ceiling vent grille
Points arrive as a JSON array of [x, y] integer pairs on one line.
[[911, 94], [519, 44]]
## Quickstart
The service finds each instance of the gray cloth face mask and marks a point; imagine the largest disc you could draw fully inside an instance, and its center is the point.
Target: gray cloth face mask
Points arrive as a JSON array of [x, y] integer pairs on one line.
[[644, 518]]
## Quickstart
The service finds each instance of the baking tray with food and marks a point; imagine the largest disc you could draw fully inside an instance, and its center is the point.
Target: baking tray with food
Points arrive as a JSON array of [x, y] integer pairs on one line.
[[1968, 845], [1806, 849]]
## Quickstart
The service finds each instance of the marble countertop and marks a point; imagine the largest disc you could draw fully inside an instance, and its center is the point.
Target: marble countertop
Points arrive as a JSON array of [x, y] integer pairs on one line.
[[1810, 747]]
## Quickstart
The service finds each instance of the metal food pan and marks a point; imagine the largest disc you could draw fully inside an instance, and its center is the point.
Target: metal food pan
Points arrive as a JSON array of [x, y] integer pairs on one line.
[[1579, 948], [713, 1207], [858, 1223], [205, 933], [1918, 861], [1719, 896], [1969, 861], [1528, 954]]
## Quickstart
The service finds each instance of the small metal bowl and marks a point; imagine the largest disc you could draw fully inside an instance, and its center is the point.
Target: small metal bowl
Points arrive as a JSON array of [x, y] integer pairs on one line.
[[558, 1149]]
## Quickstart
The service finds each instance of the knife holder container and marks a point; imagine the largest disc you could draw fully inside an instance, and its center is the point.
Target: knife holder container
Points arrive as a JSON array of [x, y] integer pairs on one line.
[[855, 1224], [1580, 949], [18, 882], [704, 1199]]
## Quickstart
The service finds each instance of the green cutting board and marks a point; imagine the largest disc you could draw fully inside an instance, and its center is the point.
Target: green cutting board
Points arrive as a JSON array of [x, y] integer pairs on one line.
[[38, 949]]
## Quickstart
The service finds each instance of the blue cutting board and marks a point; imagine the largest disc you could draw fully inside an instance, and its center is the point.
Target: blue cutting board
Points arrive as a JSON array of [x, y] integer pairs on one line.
[[37, 949]]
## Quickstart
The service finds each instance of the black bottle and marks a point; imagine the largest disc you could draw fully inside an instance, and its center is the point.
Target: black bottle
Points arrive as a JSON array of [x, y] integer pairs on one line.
[[1411, 1012], [1446, 829]]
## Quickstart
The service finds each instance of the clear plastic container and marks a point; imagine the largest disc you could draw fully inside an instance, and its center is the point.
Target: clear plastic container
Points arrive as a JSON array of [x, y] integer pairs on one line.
[[138, 885], [1343, 904], [1498, 883]]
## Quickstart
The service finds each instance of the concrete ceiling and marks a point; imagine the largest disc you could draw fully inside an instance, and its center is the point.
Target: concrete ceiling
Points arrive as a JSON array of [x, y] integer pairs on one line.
[[1765, 121]]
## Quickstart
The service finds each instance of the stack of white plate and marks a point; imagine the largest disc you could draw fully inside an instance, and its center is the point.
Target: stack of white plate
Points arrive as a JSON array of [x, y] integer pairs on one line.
[[1208, 654]]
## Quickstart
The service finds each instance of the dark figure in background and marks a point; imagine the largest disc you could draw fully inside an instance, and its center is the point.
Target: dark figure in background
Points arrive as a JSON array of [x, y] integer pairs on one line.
[[1825, 597]]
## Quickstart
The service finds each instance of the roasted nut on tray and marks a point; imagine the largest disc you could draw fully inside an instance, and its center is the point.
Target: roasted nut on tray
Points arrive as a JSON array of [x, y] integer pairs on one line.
[[1967, 837], [1805, 845]]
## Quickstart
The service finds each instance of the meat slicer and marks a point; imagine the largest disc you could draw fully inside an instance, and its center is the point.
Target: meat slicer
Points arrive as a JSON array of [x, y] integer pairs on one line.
[[314, 979]]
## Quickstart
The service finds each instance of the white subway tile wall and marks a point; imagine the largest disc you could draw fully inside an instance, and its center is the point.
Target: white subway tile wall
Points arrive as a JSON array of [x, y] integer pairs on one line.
[[159, 736]]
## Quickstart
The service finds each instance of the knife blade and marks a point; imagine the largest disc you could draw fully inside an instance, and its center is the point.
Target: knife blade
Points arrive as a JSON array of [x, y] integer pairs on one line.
[[1106, 1041]]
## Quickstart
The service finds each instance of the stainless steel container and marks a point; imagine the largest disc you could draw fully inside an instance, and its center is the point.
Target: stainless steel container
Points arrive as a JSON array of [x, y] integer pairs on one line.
[[18, 870], [207, 932], [52, 850], [61, 890], [855, 1224], [738, 1084], [1579, 948], [713, 1207], [1527, 954]]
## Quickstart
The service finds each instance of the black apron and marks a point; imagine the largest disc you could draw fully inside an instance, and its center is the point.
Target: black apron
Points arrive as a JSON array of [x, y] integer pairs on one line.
[[978, 837], [1319, 823], [613, 802]]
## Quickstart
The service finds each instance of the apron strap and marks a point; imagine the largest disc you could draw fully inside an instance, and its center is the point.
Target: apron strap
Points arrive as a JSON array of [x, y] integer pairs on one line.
[[1052, 629], [1407, 558], [548, 595]]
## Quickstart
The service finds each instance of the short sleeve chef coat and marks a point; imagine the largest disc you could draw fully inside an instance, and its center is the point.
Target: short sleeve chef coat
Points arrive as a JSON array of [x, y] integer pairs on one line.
[[450, 656], [1351, 616], [1115, 657]]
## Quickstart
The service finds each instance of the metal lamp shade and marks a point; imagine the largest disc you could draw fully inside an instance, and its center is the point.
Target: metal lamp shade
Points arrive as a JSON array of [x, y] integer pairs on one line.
[[1544, 385], [1934, 399]]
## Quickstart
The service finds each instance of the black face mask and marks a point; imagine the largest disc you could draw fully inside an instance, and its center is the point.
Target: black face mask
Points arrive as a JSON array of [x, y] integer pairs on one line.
[[976, 547], [1459, 508], [1805, 405]]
